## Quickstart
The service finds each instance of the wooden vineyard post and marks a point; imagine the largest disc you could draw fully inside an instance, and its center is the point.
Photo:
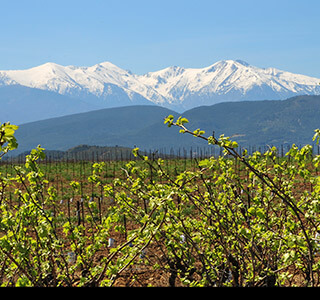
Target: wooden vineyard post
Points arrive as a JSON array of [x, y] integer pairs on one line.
[[125, 226], [82, 209], [68, 207], [100, 202], [78, 213]]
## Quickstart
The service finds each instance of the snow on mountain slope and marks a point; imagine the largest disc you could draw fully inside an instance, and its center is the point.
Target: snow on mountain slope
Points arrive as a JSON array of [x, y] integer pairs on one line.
[[173, 87], [228, 80], [96, 80]]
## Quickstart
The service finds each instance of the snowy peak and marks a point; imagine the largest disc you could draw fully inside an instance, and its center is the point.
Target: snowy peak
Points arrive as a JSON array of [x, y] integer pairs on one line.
[[173, 71], [173, 87], [242, 62], [223, 77]]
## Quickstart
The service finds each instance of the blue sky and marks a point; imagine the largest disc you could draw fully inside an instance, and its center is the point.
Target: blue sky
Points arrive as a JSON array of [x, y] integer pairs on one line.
[[150, 35]]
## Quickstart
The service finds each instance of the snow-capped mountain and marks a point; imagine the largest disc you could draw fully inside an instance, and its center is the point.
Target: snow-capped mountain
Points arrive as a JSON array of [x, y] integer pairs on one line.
[[227, 81], [174, 87], [102, 81]]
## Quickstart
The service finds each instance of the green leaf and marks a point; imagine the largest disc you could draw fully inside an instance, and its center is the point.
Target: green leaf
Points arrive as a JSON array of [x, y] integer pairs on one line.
[[184, 120], [316, 136], [169, 120], [135, 151]]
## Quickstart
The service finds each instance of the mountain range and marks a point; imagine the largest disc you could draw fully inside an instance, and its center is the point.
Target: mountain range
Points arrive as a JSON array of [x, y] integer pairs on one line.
[[250, 123], [51, 90]]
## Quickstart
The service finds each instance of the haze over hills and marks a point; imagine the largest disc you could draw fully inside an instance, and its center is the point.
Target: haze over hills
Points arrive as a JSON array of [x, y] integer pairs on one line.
[[21, 104], [106, 85], [254, 123]]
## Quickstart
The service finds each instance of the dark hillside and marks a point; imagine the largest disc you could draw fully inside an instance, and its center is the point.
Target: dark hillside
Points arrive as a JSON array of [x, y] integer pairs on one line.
[[254, 123], [105, 127]]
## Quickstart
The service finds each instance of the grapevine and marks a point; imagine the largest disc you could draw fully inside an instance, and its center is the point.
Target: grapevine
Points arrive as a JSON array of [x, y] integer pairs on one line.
[[231, 220]]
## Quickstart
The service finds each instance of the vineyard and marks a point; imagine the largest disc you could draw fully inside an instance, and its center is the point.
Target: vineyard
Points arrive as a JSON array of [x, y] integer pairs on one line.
[[233, 219]]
